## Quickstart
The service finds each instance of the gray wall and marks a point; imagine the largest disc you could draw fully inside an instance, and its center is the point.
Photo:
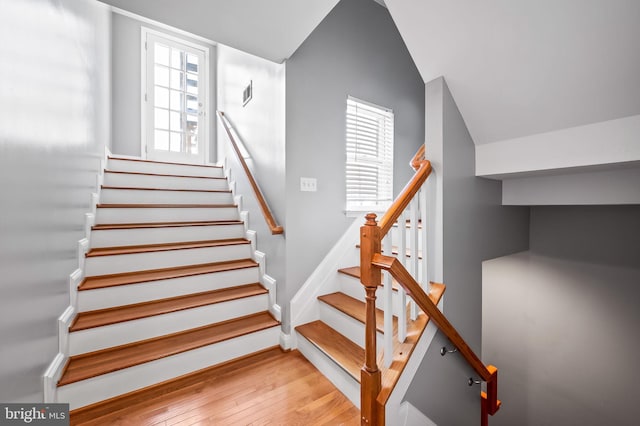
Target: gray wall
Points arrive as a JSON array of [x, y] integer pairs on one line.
[[126, 58], [561, 321], [476, 227], [356, 50], [259, 127], [54, 104]]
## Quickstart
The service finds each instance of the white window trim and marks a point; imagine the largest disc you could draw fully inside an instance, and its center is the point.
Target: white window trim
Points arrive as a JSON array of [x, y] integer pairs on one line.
[[378, 206]]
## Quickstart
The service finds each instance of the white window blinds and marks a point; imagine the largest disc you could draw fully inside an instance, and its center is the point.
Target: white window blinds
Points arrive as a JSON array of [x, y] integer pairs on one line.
[[369, 156]]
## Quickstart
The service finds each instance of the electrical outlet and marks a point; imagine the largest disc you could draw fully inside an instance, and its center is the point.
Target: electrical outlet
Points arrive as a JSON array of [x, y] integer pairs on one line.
[[308, 184]]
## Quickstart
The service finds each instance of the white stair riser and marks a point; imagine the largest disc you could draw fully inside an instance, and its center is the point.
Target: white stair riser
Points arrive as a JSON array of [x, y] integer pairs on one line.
[[102, 298], [116, 264], [170, 234], [163, 168], [108, 215], [163, 182], [352, 287], [346, 325], [94, 339], [106, 386], [336, 375], [152, 196]]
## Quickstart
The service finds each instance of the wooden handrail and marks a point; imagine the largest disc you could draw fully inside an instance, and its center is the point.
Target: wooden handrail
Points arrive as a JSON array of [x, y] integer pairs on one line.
[[417, 159], [489, 373], [372, 262], [405, 197], [268, 216]]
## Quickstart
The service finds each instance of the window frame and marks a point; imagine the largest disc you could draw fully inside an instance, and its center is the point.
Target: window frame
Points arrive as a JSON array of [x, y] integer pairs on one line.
[[368, 151]]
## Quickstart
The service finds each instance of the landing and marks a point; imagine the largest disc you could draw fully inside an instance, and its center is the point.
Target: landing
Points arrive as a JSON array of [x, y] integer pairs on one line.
[[272, 387]]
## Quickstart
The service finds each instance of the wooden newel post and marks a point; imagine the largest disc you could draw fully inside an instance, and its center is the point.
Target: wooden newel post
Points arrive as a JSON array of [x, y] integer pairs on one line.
[[370, 277]]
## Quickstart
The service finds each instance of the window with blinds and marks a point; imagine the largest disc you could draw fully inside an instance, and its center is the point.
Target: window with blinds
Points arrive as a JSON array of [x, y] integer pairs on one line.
[[369, 157]]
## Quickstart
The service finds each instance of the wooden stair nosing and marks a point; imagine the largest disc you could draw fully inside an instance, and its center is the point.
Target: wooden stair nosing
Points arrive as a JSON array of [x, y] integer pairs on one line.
[[111, 280], [142, 160], [149, 248], [341, 350], [143, 225], [101, 317], [165, 206], [137, 188], [353, 308], [93, 364], [163, 174]]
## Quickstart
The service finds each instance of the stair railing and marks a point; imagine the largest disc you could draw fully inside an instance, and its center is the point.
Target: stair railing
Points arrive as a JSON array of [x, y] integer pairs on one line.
[[266, 211], [408, 269]]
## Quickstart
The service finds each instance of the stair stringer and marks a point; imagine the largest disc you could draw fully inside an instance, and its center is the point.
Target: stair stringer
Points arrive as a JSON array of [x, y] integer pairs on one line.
[[395, 402], [305, 306], [54, 371], [260, 257]]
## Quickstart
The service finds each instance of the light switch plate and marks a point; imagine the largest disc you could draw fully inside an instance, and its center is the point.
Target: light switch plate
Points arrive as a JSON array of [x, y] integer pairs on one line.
[[308, 184]]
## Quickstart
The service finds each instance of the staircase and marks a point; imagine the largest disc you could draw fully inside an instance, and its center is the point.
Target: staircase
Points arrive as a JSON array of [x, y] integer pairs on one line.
[[364, 341], [169, 284], [335, 341]]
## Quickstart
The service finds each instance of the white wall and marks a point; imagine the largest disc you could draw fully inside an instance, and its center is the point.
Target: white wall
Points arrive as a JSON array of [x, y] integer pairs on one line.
[[598, 144], [54, 109], [127, 98], [561, 320], [260, 126]]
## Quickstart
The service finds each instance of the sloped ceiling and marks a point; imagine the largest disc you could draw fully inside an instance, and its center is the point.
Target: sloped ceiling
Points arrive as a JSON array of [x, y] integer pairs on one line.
[[521, 67], [272, 29]]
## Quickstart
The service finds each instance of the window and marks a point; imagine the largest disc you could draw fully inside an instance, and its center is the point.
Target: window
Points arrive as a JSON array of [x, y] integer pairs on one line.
[[369, 157], [174, 107]]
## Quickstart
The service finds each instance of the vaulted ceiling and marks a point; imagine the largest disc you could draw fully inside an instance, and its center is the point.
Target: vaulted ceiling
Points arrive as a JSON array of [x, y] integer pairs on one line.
[[515, 67], [272, 29], [521, 67]]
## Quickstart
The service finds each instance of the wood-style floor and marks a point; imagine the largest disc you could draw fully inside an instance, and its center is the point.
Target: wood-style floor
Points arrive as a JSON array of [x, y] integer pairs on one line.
[[269, 388]]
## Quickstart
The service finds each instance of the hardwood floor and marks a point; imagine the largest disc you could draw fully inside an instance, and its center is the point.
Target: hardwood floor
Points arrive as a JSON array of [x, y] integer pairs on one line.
[[270, 388]]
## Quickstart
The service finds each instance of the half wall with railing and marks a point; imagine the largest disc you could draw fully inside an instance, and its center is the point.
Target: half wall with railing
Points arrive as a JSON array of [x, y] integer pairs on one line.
[[402, 256]]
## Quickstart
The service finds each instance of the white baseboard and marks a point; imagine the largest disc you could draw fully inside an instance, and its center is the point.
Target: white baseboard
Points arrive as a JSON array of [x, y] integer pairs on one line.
[[285, 341], [304, 305], [51, 377]]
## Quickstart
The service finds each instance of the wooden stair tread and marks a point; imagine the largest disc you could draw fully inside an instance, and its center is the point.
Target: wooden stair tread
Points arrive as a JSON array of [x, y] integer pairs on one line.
[[141, 160], [102, 317], [148, 248], [337, 347], [102, 281], [352, 307], [163, 174], [105, 361], [137, 188], [165, 206], [354, 271], [108, 226]]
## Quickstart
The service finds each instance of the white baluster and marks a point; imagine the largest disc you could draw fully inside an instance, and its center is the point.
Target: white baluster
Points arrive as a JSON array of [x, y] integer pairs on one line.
[[402, 295], [423, 217], [387, 248], [413, 246]]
